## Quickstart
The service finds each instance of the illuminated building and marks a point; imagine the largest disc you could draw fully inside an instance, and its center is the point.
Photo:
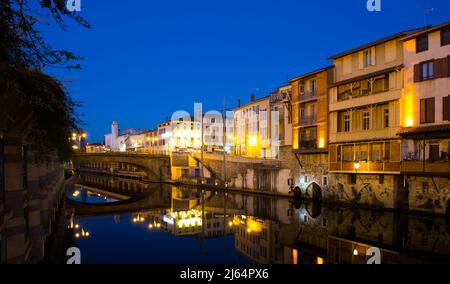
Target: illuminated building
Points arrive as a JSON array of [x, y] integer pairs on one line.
[[124, 140], [310, 129], [95, 148], [252, 128], [281, 126], [364, 120], [425, 116], [183, 134]]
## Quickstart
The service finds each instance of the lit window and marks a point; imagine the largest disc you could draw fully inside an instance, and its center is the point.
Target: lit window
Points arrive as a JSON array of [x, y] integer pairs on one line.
[[366, 120], [346, 123], [427, 70]]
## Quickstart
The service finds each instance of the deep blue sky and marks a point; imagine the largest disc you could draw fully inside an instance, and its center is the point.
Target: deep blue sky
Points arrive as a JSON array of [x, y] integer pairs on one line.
[[145, 59]]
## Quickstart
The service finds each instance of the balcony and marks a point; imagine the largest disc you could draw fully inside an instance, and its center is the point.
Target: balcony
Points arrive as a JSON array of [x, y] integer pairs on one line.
[[307, 95], [308, 120], [441, 167], [348, 100], [365, 167]]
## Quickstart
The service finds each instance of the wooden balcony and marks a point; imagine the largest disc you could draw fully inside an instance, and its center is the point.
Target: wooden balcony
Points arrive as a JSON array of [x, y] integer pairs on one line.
[[426, 167], [365, 167]]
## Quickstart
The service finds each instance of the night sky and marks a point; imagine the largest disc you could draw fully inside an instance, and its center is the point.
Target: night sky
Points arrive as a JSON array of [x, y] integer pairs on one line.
[[145, 60]]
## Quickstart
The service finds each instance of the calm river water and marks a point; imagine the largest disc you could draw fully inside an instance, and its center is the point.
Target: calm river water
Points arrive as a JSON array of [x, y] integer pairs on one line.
[[127, 221]]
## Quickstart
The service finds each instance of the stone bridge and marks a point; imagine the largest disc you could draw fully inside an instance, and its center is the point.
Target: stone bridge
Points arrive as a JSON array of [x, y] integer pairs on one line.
[[149, 167], [157, 199]]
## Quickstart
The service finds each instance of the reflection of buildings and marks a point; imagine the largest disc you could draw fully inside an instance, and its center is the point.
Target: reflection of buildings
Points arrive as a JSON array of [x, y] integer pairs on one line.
[[181, 223], [253, 238]]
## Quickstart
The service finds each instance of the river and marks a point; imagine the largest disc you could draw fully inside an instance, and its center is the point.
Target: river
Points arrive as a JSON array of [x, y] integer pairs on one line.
[[128, 221]]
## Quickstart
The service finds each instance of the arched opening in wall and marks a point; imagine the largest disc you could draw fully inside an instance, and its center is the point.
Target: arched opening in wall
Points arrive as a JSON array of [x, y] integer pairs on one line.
[[297, 192], [315, 191]]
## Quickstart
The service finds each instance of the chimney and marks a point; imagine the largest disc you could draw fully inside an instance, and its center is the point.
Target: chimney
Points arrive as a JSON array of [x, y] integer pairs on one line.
[[239, 103], [252, 97]]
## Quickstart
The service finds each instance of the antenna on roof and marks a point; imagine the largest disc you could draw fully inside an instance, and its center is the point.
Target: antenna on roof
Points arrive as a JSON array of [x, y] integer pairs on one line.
[[426, 12]]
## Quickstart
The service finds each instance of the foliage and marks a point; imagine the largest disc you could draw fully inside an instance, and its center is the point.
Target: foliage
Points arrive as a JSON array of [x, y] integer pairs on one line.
[[23, 42], [23, 53]]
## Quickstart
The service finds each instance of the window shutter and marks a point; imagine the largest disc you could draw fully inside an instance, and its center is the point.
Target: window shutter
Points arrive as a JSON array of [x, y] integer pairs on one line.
[[438, 68], [446, 107], [417, 73], [447, 67], [422, 111], [361, 60], [373, 56], [430, 110], [339, 122]]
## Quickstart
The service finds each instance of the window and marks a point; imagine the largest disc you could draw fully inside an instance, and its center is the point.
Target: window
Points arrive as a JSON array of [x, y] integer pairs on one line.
[[422, 43], [301, 89], [427, 110], [313, 87], [375, 152], [446, 108], [306, 179], [352, 178], [426, 70], [348, 153], [363, 153], [434, 152], [367, 57], [386, 118], [445, 36], [381, 179], [346, 123], [366, 120], [387, 151], [325, 181], [338, 152]]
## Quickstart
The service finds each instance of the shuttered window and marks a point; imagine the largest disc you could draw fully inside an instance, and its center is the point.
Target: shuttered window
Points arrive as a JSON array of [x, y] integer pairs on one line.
[[445, 36], [422, 43], [446, 108], [433, 69], [434, 152], [427, 110]]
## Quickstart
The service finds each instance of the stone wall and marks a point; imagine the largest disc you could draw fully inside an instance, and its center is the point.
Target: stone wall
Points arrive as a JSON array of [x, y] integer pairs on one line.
[[429, 194], [33, 193]]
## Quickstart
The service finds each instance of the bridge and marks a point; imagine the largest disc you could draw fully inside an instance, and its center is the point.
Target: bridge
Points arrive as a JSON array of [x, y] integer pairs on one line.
[[150, 167], [156, 199]]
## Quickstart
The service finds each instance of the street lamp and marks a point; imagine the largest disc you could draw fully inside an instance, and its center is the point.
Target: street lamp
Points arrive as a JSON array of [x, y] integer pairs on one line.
[[356, 165]]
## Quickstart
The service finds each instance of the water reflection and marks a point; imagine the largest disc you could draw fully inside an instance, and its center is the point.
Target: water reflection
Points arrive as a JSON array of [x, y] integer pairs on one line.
[[80, 194], [166, 224]]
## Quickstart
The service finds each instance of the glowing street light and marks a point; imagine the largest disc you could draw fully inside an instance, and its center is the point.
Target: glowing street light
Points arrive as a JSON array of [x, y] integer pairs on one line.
[[356, 166]]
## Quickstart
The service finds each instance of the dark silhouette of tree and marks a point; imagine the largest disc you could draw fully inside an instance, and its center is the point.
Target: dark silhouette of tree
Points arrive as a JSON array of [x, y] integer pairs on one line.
[[22, 43], [27, 95]]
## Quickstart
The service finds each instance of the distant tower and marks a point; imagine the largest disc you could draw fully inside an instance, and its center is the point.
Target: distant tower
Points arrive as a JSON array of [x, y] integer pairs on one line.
[[114, 135]]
